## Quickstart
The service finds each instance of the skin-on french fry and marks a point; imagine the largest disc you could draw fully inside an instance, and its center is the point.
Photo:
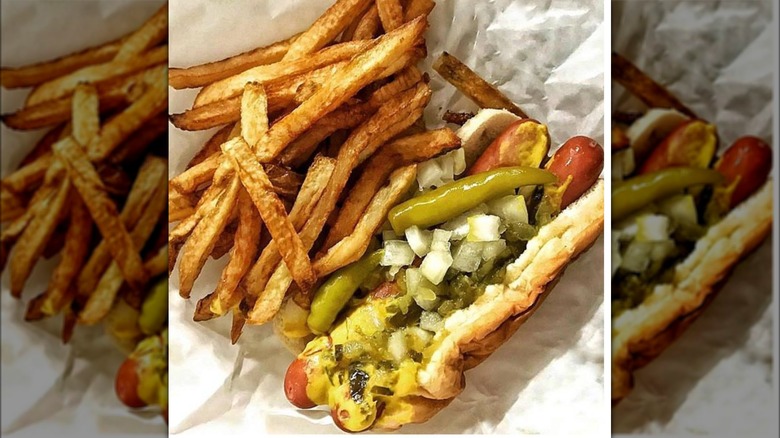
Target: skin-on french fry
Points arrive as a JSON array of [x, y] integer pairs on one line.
[[61, 288], [96, 74], [34, 74], [103, 211], [113, 133], [407, 150], [100, 301], [12, 206], [204, 74], [391, 14], [27, 177], [472, 85], [327, 27], [268, 74], [311, 191], [46, 215], [653, 94], [225, 240], [254, 118], [361, 70], [352, 247], [369, 25], [272, 211], [416, 8], [151, 33], [86, 115], [180, 205]]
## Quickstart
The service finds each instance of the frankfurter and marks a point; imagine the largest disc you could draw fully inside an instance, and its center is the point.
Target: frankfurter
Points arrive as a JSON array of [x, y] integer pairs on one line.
[[460, 268], [682, 219]]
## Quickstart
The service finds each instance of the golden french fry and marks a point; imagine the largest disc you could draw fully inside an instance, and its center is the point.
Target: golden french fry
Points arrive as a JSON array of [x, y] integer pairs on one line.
[[271, 210], [326, 28], [197, 175], [103, 210], [212, 146], [100, 301], [391, 13], [61, 285], [86, 115], [274, 73], [135, 147], [416, 8], [361, 70], [43, 146], [204, 74], [311, 191], [151, 172], [96, 74], [472, 85], [113, 133], [254, 115], [407, 150], [12, 206], [352, 247], [653, 94], [155, 265], [151, 33], [369, 25], [27, 177], [180, 205], [225, 240], [45, 217]]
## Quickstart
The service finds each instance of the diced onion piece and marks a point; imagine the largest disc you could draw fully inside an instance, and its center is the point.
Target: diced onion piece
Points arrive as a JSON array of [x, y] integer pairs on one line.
[[459, 160], [512, 209], [397, 253], [491, 250], [441, 240], [418, 336], [425, 296], [431, 321], [484, 228], [623, 163], [429, 174], [652, 228], [389, 235], [662, 249], [637, 256], [435, 265], [467, 256], [628, 232], [446, 162], [616, 258], [413, 278], [419, 239], [460, 225], [396, 345], [682, 209]]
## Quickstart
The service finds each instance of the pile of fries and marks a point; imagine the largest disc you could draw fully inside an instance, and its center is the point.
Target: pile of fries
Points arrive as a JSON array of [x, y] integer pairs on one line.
[[320, 135], [101, 164]]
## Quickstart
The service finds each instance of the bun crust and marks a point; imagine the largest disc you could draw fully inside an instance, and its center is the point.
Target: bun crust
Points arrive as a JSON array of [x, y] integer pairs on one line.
[[640, 334]]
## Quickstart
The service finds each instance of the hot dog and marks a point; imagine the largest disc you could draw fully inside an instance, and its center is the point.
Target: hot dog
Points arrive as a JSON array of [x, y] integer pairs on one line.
[[682, 202], [397, 354]]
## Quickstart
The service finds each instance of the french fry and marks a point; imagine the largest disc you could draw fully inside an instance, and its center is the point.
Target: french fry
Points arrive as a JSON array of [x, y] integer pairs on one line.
[[326, 28], [352, 247], [225, 240], [369, 25], [45, 217], [27, 177], [653, 94], [180, 205], [95, 74], [86, 116], [404, 151], [204, 74], [152, 32], [102, 298], [271, 210], [361, 70], [473, 86], [254, 115], [43, 146], [60, 289], [113, 133], [103, 211], [211, 147], [197, 175], [137, 144], [391, 14], [417, 8], [267, 74], [305, 204], [12, 206]]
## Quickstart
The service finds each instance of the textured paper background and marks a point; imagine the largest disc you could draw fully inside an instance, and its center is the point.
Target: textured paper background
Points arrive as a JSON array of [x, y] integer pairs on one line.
[[49, 389], [548, 57], [717, 58]]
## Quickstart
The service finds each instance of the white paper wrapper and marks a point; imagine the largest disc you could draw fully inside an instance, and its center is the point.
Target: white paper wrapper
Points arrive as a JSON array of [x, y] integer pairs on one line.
[[716, 58], [548, 57], [49, 389]]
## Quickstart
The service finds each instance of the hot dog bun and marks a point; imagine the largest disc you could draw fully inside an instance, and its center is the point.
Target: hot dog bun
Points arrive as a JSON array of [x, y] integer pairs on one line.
[[472, 334], [642, 333]]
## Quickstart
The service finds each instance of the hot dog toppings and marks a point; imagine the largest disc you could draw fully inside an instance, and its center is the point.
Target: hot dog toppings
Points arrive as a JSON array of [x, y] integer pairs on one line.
[[444, 246], [659, 214]]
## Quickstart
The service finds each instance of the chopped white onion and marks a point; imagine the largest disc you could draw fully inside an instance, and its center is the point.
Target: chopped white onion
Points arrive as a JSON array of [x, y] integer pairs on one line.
[[652, 228], [682, 209], [429, 174], [417, 333], [636, 258], [467, 256], [491, 250], [397, 253], [396, 345], [484, 228], [435, 265], [425, 297], [389, 235], [419, 240], [459, 160], [431, 321], [512, 209], [441, 240], [616, 258]]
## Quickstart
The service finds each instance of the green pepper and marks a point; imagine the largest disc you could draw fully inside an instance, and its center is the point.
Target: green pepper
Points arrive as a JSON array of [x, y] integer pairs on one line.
[[154, 310], [458, 197], [635, 193], [334, 294]]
